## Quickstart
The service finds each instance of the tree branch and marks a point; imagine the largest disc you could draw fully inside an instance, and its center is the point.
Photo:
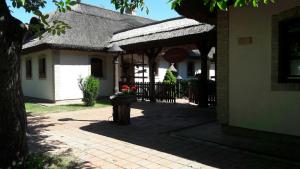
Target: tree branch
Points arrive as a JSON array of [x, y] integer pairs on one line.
[[4, 10]]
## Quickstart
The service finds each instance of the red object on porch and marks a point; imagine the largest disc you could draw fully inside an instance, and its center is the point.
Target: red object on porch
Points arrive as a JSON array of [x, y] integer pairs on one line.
[[176, 55]]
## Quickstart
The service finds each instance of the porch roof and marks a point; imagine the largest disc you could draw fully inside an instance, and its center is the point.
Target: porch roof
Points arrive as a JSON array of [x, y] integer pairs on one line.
[[178, 28]]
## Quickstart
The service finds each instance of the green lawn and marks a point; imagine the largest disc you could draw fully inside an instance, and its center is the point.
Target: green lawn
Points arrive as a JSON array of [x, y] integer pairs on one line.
[[39, 109]]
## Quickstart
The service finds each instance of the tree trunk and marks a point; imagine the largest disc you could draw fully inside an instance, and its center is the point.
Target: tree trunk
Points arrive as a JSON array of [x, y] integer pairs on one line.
[[13, 145]]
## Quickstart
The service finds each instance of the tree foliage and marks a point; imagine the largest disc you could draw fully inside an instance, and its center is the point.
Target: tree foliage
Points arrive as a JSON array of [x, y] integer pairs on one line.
[[57, 27], [122, 5], [223, 4], [169, 77], [212, 4]]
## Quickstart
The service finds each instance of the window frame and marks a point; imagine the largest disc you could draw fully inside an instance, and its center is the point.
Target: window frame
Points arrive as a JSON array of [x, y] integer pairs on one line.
[[284, 58], [276, 83], [102, 67], [28, 76], [42, 75]]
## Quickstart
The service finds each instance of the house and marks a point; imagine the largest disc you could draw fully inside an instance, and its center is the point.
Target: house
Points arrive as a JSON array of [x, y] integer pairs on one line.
[[258, 72], [186, 68], [51, 66], [258, 64], [258, 75]]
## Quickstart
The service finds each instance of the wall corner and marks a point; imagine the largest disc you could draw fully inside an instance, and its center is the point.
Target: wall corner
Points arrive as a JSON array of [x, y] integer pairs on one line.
[[222, 70]]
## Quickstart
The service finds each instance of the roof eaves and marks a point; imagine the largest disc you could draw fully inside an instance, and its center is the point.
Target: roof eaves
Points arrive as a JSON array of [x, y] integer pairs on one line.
[[182, 28], [61, 47], [153, 23]]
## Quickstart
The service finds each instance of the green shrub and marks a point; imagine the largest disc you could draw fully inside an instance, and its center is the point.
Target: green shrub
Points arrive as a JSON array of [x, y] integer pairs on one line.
[[89, 88], [43, 161], [169, 78]]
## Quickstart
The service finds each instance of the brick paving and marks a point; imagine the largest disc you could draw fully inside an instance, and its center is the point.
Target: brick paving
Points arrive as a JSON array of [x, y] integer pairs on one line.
[[146, 143]]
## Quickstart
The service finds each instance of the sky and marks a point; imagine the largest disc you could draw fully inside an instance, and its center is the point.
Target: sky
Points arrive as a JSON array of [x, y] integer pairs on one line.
[[159, 9]]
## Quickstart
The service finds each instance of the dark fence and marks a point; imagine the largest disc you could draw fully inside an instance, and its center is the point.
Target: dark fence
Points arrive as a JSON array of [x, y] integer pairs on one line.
[[194, 90], [163, 92], [169, 92], [194, 93]]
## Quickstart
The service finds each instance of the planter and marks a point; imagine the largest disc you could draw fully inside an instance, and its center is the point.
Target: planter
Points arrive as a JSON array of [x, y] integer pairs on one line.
[[121, 108]]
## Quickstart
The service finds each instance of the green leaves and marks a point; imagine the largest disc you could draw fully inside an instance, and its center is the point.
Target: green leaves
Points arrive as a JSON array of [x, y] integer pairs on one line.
[[223, 4], [169, 77], [55, 27], [123, 5], [62, 6], [254, 3], [175, 3], [22, 2]]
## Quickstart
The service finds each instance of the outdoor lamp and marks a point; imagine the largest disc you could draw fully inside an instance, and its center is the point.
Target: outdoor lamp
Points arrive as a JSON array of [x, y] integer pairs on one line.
[[179, 77], [116, 51]]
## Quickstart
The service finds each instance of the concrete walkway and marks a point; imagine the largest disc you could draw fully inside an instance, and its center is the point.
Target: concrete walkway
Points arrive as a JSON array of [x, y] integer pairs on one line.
[[147, 143]]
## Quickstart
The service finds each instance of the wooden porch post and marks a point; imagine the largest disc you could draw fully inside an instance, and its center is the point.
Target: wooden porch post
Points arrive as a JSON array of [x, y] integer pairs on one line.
[[204, 49], [143, 98], [152, 54], [116, 73]]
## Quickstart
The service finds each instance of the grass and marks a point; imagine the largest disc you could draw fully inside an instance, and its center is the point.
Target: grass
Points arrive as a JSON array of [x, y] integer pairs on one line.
[[39, 109], [47, 161]]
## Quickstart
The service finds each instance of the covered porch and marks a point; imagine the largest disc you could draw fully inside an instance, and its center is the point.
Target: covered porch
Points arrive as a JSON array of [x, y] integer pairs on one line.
[[144, 45]]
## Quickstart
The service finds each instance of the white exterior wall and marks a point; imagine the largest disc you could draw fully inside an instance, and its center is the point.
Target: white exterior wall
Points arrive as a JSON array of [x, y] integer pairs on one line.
[[164, 65], [36, 87], [252, 103], [182, 68], [72, 65]]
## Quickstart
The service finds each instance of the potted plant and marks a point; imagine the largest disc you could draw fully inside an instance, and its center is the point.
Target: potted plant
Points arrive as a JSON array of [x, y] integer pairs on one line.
[[121, 103]]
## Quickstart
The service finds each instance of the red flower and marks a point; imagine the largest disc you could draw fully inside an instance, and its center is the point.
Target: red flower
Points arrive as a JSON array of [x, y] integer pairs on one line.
[[125, 87], [133, 88]]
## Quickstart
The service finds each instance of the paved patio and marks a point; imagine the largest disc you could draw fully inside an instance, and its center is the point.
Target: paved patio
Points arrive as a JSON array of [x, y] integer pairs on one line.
[[149, 142]]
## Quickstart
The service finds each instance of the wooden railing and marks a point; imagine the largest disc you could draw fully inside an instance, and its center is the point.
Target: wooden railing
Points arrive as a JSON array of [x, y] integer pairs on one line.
[[143, 91], [163, 92], [212, 100], [168, 92], [194, 93]]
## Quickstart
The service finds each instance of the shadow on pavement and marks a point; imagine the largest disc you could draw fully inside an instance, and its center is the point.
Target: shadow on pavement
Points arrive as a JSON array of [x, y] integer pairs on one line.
[[160, 122], [42, 149]]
